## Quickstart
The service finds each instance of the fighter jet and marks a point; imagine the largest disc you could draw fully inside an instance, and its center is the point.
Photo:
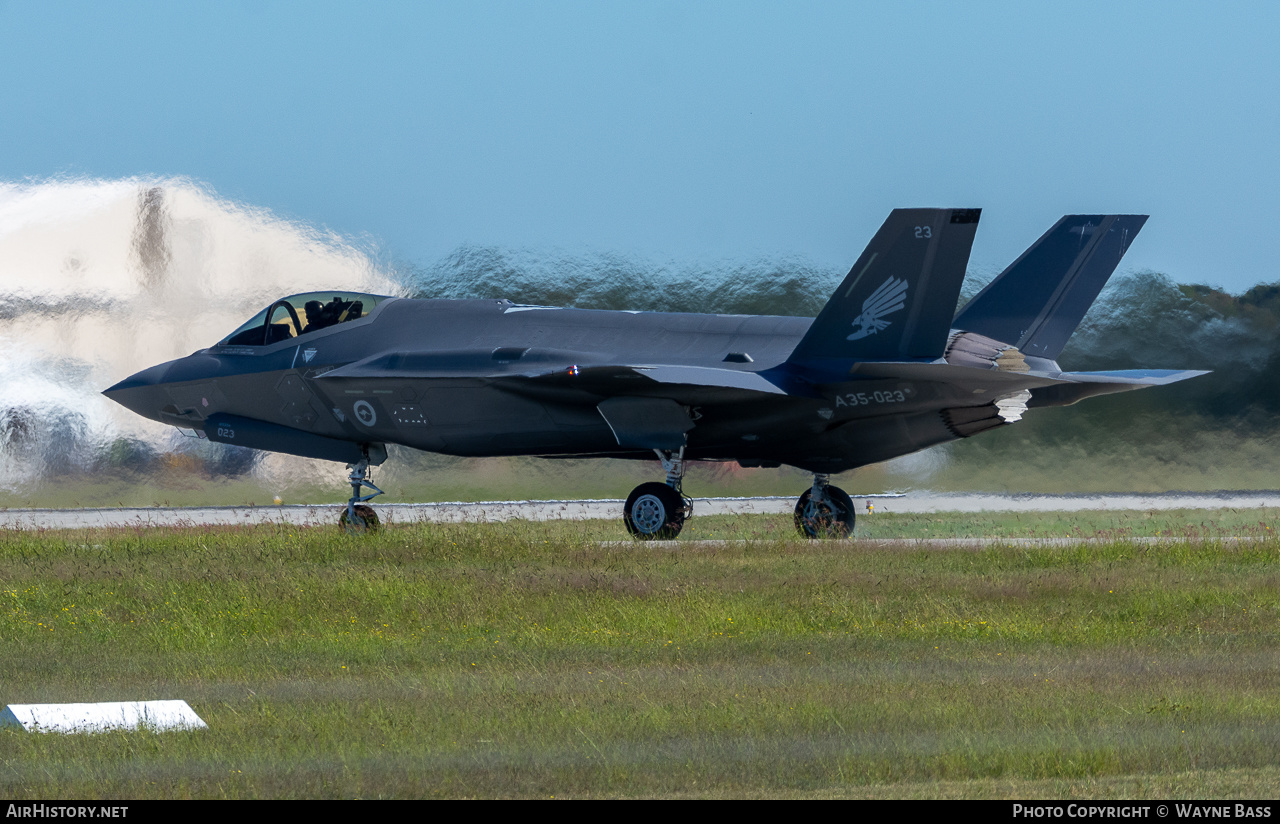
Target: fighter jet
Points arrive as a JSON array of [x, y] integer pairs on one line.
[[887, 368]]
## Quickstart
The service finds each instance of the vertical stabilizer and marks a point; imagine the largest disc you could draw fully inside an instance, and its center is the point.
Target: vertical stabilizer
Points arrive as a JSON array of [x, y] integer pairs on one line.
[[1038, 301], [897, 301]]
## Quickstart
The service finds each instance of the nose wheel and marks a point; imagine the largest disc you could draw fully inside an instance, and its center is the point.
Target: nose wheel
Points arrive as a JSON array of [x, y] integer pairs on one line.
[[359, 517], [824, 511]]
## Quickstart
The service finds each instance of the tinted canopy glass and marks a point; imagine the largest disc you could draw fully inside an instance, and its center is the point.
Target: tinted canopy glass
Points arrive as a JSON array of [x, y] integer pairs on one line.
[[299, 315]]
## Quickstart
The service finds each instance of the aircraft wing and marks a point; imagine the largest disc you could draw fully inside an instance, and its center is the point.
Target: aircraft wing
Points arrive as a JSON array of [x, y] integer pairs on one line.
[[614, 378], [710, 376]]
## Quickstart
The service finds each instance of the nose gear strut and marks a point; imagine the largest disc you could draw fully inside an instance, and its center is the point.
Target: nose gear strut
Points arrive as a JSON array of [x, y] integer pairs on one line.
[[357, 517]]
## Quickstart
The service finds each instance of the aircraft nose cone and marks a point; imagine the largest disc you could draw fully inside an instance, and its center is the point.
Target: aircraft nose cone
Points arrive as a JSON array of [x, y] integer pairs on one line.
[[142, 393], [147, 377]]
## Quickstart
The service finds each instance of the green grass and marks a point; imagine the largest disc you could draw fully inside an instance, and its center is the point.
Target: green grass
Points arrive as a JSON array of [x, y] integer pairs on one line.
[[533, 660], [887, 525]]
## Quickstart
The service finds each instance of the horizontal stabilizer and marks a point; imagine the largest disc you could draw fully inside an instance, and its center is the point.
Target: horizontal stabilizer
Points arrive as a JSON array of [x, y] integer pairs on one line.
[[1047, 388], [1092, 384], [1038, 301], [897, 301], [976, 379], [1135, 377]]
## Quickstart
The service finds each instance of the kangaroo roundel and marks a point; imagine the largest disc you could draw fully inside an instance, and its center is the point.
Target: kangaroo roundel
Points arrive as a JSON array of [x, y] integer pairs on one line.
[[888, 298]]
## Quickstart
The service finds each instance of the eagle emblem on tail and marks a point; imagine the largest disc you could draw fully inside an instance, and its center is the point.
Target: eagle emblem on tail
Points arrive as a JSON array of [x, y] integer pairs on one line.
[[888, 298]]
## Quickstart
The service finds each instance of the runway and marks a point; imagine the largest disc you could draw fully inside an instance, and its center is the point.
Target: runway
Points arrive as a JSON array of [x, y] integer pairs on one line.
[[611, 508]]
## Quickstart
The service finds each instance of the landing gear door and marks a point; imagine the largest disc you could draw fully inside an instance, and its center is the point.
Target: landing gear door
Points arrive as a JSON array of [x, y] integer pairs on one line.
[[646, 423]]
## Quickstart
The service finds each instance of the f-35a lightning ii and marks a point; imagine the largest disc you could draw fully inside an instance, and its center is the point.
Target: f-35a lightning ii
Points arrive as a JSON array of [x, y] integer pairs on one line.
[[884, 370]]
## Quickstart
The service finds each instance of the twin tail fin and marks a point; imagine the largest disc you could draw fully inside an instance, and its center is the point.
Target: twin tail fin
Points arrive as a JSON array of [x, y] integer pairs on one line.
[[1036, 303], [897, 301]]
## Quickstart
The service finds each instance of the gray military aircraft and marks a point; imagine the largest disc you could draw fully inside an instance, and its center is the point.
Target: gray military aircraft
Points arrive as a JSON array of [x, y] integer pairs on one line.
[[884, 370]]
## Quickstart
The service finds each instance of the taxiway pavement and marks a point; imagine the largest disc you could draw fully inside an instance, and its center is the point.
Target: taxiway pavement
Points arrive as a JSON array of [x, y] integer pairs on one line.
[[487, 511]]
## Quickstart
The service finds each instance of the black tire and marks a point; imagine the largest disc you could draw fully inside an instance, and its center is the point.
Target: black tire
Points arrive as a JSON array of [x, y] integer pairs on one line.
[[654, 512], [366, 520], [834, 521]]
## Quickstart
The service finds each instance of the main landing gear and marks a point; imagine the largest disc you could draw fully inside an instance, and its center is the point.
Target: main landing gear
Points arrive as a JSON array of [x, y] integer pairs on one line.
[[657, 512], [824, 511], [358, 517]]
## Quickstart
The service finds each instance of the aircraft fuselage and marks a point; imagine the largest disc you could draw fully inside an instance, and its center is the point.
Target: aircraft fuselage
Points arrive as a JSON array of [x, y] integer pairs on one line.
[[447, 376], [886, 368]]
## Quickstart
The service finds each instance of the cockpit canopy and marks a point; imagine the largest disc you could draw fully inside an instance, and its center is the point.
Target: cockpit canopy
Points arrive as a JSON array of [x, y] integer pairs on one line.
[[299, 315]]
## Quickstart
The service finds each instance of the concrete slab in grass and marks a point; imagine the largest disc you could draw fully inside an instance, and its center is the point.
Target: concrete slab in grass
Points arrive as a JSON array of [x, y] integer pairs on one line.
[[100, 717]]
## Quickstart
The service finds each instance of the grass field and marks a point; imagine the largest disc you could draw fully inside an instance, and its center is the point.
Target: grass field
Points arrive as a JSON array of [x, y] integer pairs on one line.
[[533, 660]]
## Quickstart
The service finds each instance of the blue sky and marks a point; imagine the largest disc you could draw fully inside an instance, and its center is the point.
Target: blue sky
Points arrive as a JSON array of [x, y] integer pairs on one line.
[[684, 131]]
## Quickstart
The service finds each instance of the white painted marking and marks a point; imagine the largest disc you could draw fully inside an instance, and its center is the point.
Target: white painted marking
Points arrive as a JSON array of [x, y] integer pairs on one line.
[[123, 715], [871, 260], [889, 297], [364, 413]]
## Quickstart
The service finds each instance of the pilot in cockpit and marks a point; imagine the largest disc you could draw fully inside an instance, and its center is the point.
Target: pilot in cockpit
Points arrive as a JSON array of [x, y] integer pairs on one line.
[[315, 316], [335, 311], [280, 321]]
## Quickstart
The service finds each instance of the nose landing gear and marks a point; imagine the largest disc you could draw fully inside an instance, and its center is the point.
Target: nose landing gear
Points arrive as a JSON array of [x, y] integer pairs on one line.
[[657, 512], [824, 511], [359, 518]]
